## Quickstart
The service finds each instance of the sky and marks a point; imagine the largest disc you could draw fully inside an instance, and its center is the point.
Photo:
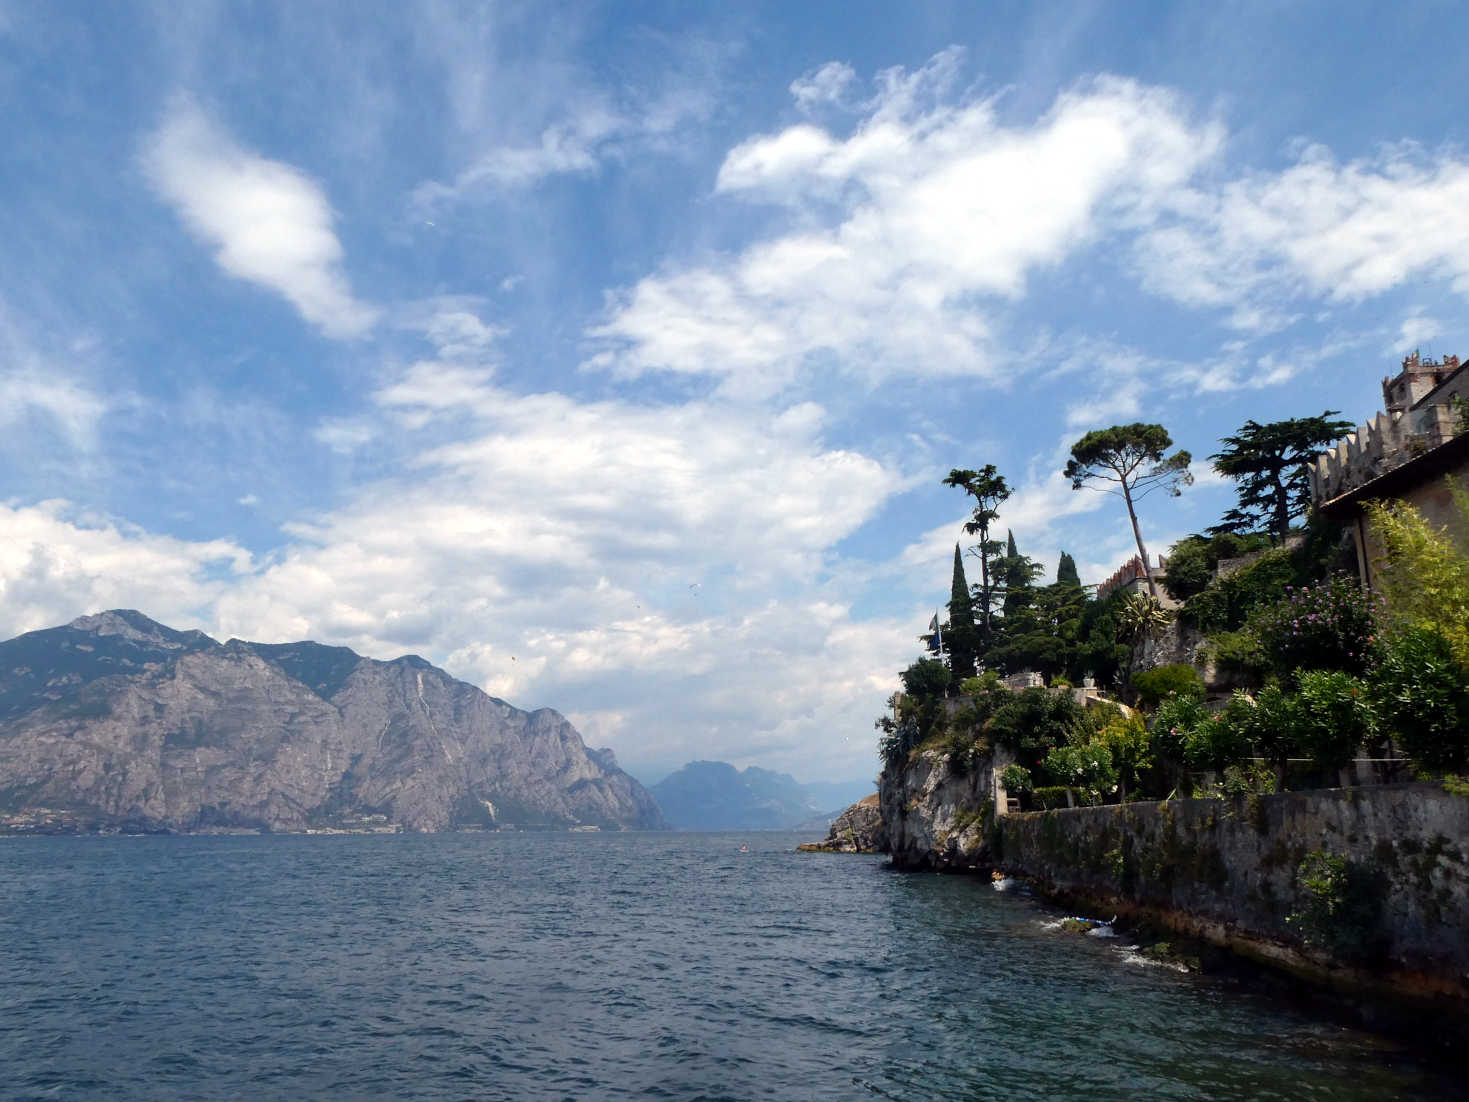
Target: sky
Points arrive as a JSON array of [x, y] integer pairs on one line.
[[611, 356]]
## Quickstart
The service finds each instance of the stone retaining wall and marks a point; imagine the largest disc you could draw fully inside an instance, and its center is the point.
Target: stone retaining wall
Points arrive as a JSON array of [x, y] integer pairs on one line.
[[1226, 870]]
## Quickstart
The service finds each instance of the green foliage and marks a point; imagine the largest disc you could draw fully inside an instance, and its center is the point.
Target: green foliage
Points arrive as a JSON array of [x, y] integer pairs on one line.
[[1334, 716], [1216, 743], [1127, 740], [1422, 574], [1089, 769], [1140, 616], [1130, 458], [1330, 626], [1342, 906], [1192, 561], [1460, 407], [989, 490], [1174, 722], [987, 682], [1246, 779], [1066, 572], [1049, 797], [1032, 721], [918, 712], [1016, 779], [1269, 464], [1226, 604], [1153, 686], [1237, 654], [1422, 694], [962, 640], [925, 679]]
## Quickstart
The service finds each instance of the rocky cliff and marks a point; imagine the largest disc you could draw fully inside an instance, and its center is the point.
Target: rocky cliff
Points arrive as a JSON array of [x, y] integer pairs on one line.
[[122, 721], [858, 829], [938, 813]]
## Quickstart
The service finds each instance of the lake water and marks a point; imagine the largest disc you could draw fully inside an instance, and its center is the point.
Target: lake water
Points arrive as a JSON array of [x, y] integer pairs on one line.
[[532, 966]]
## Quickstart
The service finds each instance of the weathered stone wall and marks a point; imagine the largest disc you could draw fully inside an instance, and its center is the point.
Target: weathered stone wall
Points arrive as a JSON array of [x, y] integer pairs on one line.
[[1226, 870]]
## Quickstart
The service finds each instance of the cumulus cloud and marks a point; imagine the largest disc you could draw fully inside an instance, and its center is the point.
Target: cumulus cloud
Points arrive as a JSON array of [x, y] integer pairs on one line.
[[908, 232], [658, 571], [1320, 229], [268, 222], [58, 562]]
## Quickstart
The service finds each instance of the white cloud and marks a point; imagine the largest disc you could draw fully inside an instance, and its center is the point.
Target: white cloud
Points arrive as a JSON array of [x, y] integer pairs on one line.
[[655, 570], [910, 231], [1320, 229], [1416, 331], [33, 380], [269, 224], [58, 562], [830, 84]]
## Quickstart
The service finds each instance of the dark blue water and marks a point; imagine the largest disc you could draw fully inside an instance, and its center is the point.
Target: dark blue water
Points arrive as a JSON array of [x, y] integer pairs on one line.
[[600, 966]]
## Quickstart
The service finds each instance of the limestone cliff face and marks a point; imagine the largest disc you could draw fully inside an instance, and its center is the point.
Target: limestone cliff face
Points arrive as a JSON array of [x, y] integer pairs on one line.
[[938, 812], [859, 829], [124, 720]]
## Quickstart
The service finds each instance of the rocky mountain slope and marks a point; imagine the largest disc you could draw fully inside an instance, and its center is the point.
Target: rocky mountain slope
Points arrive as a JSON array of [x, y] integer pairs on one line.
[[125, 722], [714, 795]]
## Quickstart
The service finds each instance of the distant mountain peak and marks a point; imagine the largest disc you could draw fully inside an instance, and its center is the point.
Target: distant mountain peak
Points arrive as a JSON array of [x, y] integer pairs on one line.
[[134, 625], [118, 719]]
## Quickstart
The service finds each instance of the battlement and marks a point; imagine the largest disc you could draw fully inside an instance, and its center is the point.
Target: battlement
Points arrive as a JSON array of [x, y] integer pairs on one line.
[[1130, 575], [1420, 416]]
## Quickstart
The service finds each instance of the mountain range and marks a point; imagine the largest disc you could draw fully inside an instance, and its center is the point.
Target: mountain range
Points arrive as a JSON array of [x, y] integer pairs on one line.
[[115, 721], [714, 795]]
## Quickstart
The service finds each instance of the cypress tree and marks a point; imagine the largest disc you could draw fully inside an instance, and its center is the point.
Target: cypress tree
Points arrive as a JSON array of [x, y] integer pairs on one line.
[[1018, 575], [1066, 572], [961, 623]]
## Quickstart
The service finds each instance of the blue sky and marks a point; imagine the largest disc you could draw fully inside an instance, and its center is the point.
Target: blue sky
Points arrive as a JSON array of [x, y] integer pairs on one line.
[[611, 356]]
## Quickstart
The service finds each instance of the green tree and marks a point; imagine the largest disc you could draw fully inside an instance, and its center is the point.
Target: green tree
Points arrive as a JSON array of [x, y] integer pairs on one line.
[[1129, 460], [961, 623], [1019, 573], [1269, 464], [1422, 574], [1066, 572], [989, 490]]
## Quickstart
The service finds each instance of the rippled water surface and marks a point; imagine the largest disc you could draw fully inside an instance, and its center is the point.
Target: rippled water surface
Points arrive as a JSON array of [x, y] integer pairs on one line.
[[601, 966]]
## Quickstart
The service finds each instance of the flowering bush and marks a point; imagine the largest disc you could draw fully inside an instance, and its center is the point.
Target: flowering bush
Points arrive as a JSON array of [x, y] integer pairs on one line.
[[1332, 626], [1088, 769]]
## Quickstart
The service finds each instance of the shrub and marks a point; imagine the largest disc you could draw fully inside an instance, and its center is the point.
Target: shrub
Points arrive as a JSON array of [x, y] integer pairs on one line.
[[1126, 737], [1334, 716], [1050, 797], [1237, 654], [1216, 743], [928, 677], [1226, 603], [1424, 577], [1016, 779], [1422, 696], [1153, 686], [1032, 721], [1193, 560], [1174, 723], [1088, 769], [1329, 626]]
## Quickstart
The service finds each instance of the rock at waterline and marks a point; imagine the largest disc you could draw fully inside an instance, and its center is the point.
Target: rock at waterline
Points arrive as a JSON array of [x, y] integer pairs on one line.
[[859, 829]]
